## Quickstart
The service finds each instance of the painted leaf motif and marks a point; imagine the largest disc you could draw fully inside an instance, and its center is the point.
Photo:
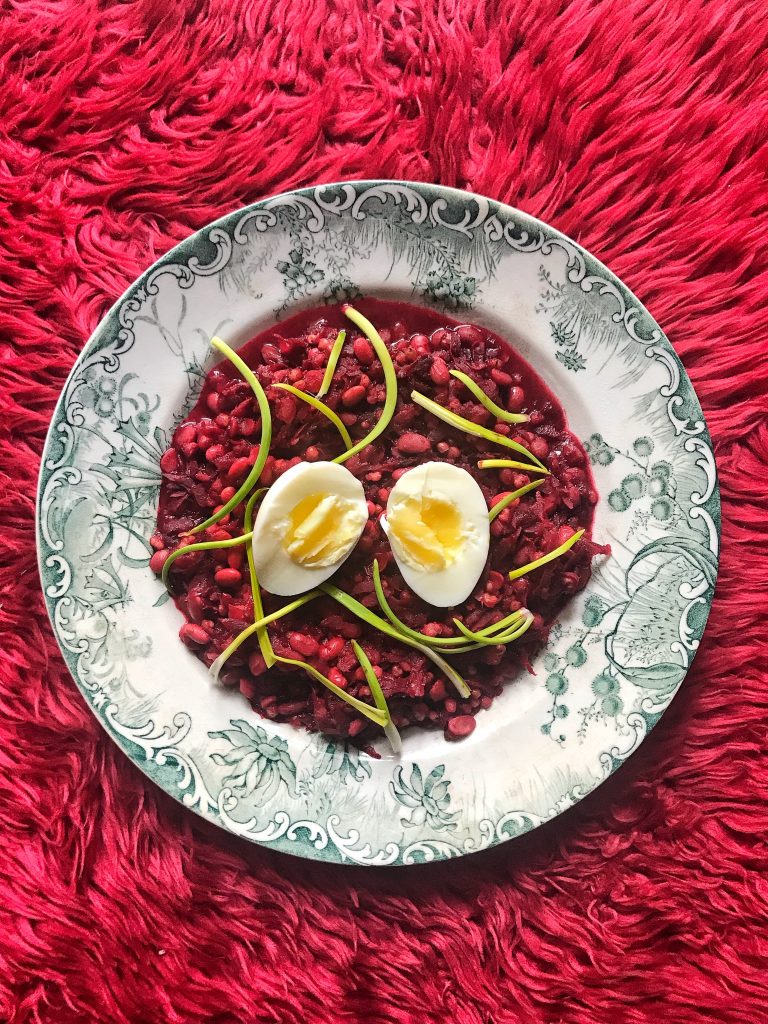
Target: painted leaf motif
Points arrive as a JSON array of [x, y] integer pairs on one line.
[[694, 552], [664, 676], [434, 776]]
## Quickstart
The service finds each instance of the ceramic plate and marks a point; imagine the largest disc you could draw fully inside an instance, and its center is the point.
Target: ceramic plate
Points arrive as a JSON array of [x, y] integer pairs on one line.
[[616, 656]]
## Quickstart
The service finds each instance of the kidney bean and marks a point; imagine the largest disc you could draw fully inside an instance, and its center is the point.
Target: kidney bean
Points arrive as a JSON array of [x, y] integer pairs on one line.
[[239, 469], [332, 648], [228, 578], [363, 351], [313, 380], [336, 677], [470, 334], [501, 378], [353, 396], [186, 433], [235, 557], [193, 635], [515, 399], [158, 560], [413, 444], [214, 452], [437, 691], [460, 727], [169, 461], [212, 401], [304, 644], [195, 606]]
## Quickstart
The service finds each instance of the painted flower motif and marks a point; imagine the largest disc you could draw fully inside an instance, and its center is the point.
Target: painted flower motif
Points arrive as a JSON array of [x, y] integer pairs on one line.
[[341, 289], [143, 421], [594, 612], [556, 684], [576, 655], [344, 761], [301, 273], [260, 764], [104, 397], [605, 685], [455, 290], [106, 587], [603, 456], [643, 446], [661, 509], [571, 360], [619, 501], [428, 798], [560, 334], [611, 706], [633, 486]]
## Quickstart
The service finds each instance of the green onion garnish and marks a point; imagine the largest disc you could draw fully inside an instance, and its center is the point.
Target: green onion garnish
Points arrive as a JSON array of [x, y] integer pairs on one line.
[[503, 638], [258, 608], [333, 359], [517, 573], [454, 420], [390, 730], [390, 380], [509, 498], [264, 442], [260, 623], [510, 464], [490, 405], [377, 716], [259, 626], [207, 545], [358, 609], [400, 626], [321, 407]]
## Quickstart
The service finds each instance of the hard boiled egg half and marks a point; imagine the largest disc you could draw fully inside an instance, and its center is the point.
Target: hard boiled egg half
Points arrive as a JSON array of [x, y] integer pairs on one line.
[[437, 525], [308, 523]]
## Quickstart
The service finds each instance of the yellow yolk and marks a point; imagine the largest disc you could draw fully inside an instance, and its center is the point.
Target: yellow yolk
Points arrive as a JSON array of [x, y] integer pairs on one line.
[[427, 532], [323, 527]]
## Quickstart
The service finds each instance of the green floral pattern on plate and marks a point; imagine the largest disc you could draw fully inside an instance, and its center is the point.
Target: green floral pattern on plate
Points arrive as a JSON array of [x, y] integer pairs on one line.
[[614, 659]]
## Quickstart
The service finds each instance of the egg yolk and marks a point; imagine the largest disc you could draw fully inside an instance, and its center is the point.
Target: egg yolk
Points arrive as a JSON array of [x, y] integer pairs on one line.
[[427, 532], [322, 530]]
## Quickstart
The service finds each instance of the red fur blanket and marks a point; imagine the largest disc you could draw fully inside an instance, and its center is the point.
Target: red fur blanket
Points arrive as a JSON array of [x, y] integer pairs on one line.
[[636, 126]]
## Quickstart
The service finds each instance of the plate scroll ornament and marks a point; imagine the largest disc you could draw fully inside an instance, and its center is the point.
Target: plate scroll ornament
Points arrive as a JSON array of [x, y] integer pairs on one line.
[[615, 658]]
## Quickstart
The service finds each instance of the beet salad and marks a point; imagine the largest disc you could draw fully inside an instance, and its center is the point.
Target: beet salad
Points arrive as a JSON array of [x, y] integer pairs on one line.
[[371, 518]]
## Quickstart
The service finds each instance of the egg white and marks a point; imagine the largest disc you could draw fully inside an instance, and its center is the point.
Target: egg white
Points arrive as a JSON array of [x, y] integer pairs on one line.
[[453, 584], [277, 572]]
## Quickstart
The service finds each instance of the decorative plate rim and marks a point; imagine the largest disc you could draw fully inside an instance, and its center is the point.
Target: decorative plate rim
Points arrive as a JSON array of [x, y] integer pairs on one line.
[[301, 838]]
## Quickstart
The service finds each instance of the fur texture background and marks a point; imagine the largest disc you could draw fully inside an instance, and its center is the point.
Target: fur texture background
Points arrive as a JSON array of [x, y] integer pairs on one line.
[[638, 127]]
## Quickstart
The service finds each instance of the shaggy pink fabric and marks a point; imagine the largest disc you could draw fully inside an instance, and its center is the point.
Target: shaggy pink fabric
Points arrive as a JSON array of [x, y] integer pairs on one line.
[[636, 126]]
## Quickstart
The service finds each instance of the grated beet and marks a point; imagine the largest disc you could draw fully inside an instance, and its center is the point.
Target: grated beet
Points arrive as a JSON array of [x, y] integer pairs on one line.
[[212, 452]]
